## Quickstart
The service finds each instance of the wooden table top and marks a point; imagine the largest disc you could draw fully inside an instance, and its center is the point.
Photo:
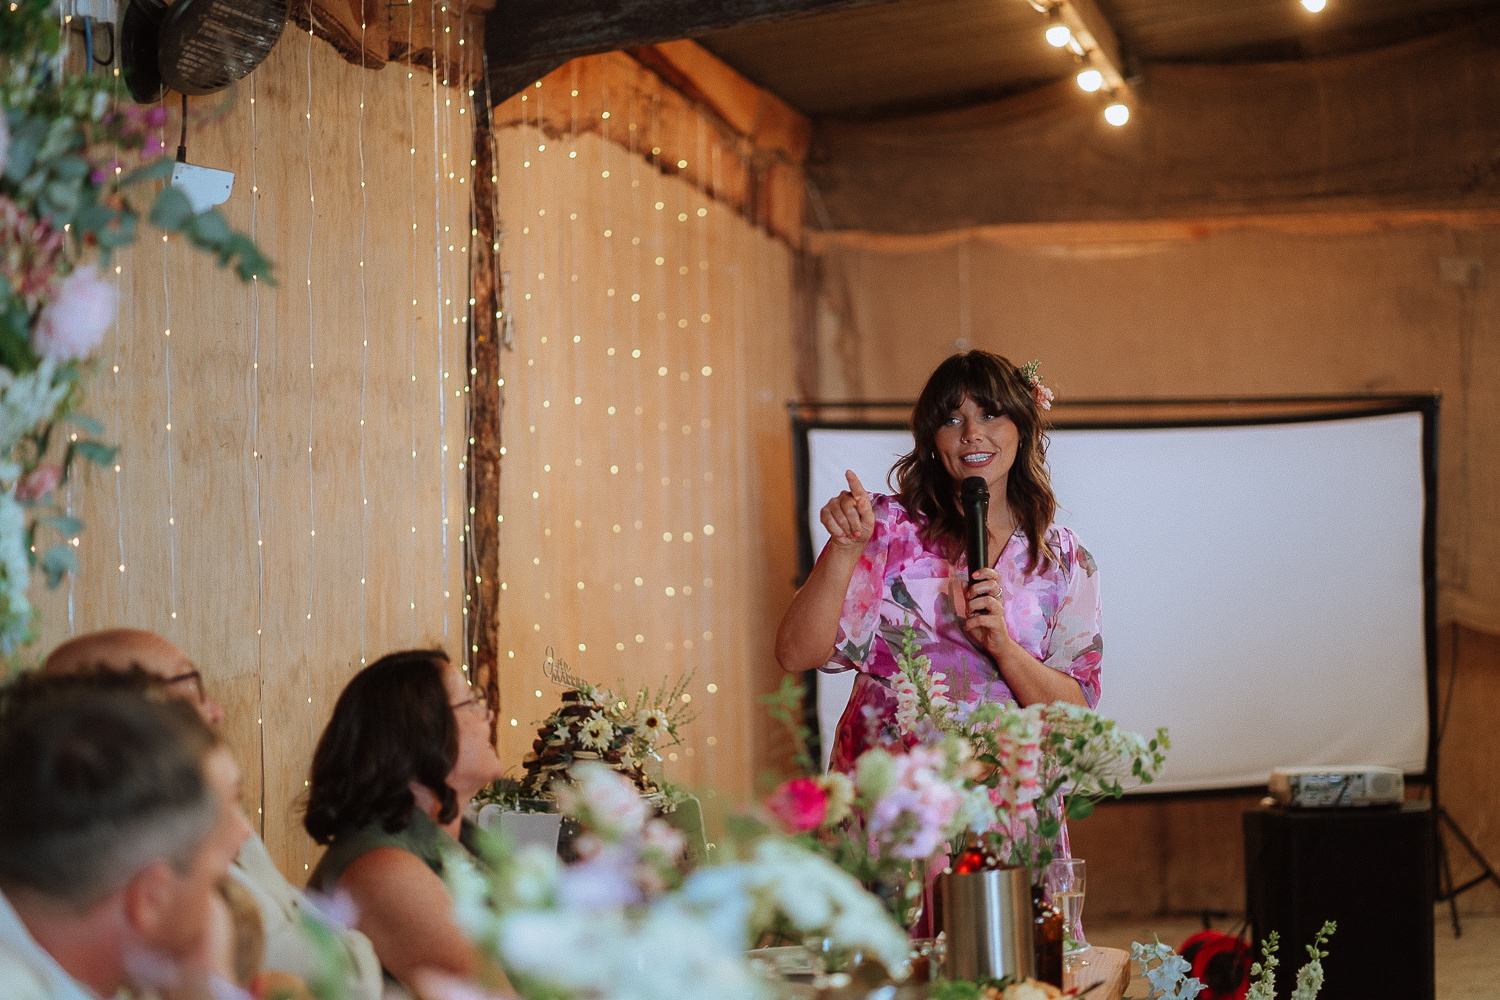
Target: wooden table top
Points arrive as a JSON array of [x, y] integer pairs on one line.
[[1110, 967]]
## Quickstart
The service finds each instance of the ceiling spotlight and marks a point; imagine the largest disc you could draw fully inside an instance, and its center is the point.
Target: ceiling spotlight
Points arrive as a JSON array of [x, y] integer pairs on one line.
[[1313, 6], [1117, 114], [1058, 34], [1090, 80]]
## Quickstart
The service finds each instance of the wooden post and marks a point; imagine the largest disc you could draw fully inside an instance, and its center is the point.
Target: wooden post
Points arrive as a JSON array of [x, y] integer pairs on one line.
[[482, 553]]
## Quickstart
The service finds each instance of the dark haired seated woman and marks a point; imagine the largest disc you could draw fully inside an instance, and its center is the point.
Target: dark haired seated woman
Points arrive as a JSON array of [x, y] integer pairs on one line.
[[407, 747], [1026, 629]]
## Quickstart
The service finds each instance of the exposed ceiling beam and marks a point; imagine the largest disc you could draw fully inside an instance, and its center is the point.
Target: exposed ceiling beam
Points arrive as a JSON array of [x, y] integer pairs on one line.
[[526, 39]]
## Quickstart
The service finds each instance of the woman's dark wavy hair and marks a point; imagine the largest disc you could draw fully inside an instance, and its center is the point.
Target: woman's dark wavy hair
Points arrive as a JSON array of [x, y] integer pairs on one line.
[[392, 725], [926, 489]]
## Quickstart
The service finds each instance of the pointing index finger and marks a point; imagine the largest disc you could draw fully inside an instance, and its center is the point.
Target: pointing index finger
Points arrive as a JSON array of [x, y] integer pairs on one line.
[[855, 487]]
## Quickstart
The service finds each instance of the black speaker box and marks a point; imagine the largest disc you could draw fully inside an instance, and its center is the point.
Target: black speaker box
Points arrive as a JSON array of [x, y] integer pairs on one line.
[[1369, 869]]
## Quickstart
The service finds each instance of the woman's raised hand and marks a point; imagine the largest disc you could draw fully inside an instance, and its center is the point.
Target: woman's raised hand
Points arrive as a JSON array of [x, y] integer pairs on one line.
[[849, 517]]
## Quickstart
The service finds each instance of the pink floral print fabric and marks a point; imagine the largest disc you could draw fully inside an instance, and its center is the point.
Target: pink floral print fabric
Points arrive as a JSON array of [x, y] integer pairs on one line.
[[1052, 611]]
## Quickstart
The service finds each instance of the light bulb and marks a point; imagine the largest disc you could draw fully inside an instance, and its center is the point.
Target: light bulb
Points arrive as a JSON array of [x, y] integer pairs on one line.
[[1117, 114], [1058, 35], [1090, 80], [1313, 6]]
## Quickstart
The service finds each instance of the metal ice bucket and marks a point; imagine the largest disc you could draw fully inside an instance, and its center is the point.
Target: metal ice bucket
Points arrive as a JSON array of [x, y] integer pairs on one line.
[[988, 921]]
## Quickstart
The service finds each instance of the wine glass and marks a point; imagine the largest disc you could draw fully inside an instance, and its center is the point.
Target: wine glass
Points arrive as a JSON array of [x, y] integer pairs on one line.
[[1065, 883]]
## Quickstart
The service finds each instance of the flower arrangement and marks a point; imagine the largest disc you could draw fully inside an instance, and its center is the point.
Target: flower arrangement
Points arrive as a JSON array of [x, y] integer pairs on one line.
[[1166, 972], [623, 923], [594, 724], [65, 207], [883, 824], [1038, 765]]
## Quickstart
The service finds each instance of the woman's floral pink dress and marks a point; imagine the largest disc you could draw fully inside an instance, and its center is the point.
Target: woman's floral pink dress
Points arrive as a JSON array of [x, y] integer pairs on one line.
[[1052, 612]]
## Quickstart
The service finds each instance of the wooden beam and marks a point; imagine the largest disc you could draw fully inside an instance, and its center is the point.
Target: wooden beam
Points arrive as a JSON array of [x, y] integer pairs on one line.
[[482, 551], [526, 39]]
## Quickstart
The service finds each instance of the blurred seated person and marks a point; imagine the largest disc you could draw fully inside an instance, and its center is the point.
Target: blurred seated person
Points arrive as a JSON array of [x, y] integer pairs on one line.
[[119, 818], [406, 749], [288, 954]]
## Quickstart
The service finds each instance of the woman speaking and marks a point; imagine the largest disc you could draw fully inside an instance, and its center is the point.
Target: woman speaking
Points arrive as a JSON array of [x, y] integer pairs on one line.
[[1023, 628]]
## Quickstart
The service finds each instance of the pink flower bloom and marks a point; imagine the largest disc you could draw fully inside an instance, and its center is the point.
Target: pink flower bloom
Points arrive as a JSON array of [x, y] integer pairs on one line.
[[39, 482], [73, 323], [1042, 395], [799, 805]]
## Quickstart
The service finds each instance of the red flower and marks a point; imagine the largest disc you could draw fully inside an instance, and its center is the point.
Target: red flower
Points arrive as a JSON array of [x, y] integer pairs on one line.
[[799, 805]]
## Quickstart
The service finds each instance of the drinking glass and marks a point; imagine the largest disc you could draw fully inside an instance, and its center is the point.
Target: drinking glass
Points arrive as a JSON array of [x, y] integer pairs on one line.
[[1065, 883]]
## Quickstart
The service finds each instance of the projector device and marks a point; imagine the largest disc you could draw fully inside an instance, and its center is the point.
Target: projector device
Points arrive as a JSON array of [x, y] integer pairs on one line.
[[1337, 785]]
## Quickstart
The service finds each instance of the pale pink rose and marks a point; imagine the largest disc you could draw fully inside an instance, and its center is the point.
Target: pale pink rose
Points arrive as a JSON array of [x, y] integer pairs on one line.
[[1042, 395], [663, 837], [39, 482], [799, 805], [73, 323]]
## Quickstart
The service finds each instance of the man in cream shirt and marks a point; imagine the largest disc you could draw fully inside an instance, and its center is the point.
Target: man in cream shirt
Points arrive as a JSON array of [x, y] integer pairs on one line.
[[282, 906], [119, 818]]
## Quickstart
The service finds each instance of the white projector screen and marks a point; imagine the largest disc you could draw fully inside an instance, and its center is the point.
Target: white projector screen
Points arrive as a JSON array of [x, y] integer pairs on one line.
[[1263, 585]]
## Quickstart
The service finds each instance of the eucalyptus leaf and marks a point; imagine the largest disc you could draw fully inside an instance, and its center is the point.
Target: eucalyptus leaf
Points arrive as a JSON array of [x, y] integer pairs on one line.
[[66, 526], [171, 210], [57, 562], [156, 170], [61, 137], [210, 229], [86, 422], [20, 155], [94, 218], [94, 451], [62, 199], [71, 167]]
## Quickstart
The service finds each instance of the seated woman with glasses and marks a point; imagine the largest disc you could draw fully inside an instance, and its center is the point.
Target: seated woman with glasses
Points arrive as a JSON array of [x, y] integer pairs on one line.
[[407, 747]]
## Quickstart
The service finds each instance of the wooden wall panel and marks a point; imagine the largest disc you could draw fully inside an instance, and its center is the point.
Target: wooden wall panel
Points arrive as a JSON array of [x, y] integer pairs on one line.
[[283, 530], [646, 483]]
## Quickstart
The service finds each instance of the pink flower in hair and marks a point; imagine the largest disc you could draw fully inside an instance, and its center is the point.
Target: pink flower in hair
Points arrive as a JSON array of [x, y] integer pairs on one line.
[[1040, 394]]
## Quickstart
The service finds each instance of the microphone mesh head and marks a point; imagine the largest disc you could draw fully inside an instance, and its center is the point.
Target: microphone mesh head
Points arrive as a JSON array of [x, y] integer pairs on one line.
[[974, 488]]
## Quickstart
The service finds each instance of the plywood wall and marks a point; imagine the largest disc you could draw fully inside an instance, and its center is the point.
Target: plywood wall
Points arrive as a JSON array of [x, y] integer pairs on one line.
[[646, 477], [1297, 305], [287, 502]]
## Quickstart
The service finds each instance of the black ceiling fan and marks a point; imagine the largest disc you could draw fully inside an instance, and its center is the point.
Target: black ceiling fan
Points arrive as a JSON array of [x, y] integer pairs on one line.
[[195, 46]]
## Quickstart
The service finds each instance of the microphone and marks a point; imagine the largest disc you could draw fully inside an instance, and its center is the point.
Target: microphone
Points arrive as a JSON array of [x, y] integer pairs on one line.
[[974, 497]]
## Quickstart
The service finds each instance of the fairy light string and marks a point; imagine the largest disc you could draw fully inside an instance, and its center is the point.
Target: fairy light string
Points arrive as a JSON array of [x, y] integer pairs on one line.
[[364, 367], [442, 301], [166, 294], [411, 115], [255, 471]]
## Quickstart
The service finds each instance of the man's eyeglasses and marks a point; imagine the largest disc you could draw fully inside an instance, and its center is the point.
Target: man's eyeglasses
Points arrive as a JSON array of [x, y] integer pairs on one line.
[[194, 680], [475, 703]]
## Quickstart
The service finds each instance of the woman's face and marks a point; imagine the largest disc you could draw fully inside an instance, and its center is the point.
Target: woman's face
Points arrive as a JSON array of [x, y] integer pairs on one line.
[[476, 765], [972, 441]]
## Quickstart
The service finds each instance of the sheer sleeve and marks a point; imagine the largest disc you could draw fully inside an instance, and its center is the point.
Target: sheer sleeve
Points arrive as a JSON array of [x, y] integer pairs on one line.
[[1075, 645], [859, 622]]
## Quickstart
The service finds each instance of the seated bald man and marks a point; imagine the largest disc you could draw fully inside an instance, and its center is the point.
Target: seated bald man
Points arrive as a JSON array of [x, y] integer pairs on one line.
[[287, 948]]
